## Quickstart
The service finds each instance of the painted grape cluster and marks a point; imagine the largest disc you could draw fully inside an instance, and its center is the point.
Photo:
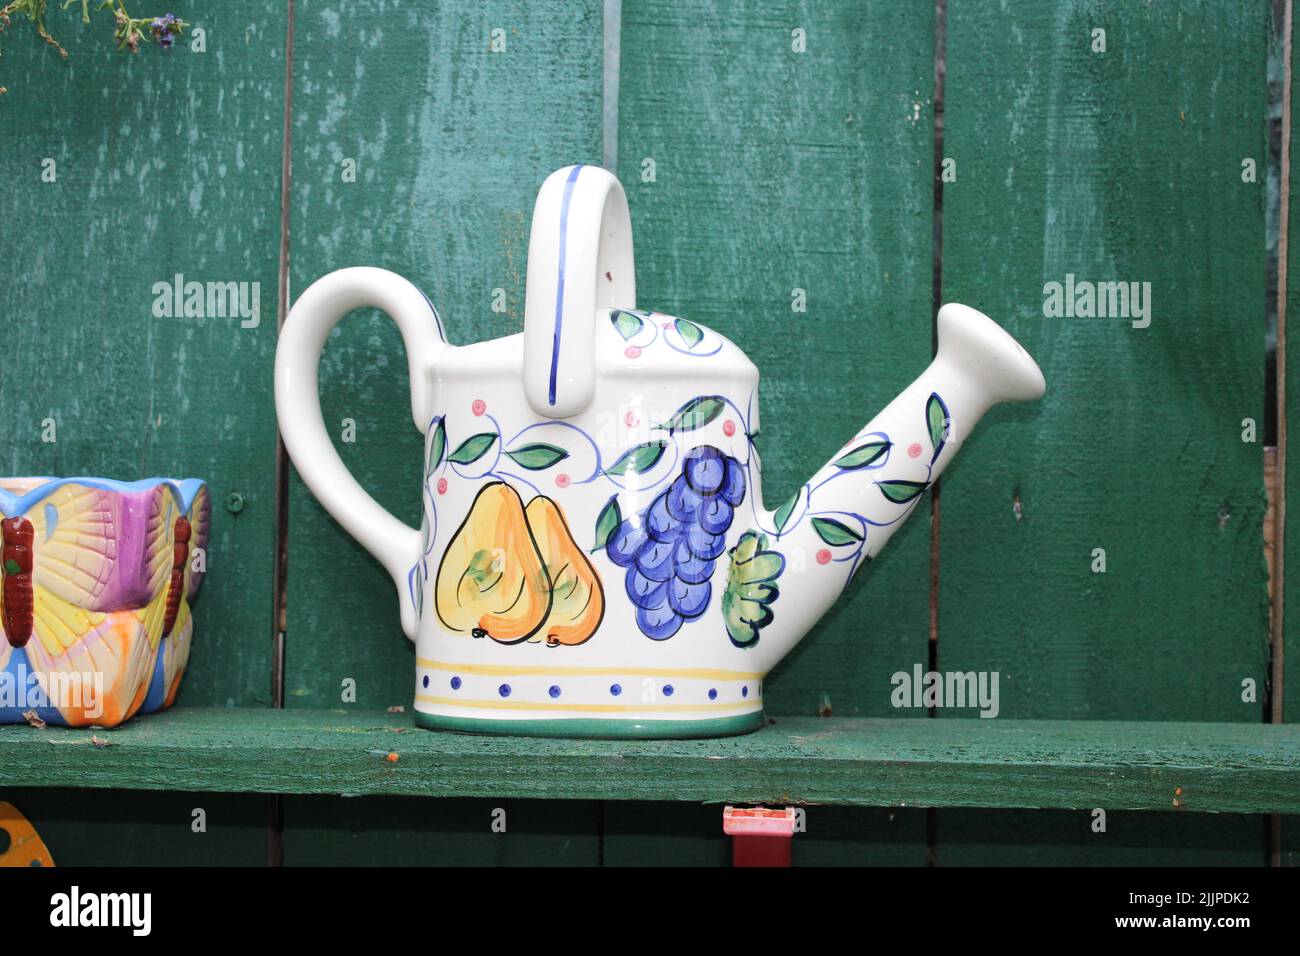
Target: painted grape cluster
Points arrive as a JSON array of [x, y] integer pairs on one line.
[[671, 548]]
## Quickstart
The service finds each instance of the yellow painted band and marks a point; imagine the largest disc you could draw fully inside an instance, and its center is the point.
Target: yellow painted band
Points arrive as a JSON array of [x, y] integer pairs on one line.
[[506, 670], [586, 708]]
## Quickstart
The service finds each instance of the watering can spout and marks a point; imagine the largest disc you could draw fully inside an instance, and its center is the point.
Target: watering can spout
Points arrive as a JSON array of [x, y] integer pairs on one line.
[[982, 355], [841, 517]]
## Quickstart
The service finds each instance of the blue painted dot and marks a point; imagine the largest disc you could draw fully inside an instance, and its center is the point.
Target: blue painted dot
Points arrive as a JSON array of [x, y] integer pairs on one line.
[[713, 693], [555, 690], [668, 690], [615, 689], [426, 681], [504, 690], [455, 683], [744, 691]]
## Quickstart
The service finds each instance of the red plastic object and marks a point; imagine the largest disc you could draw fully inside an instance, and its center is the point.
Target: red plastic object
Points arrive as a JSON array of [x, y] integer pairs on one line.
[[759, 836]]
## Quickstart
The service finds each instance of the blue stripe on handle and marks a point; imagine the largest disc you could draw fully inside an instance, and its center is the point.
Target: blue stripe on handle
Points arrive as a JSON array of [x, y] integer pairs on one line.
[[559, 282]]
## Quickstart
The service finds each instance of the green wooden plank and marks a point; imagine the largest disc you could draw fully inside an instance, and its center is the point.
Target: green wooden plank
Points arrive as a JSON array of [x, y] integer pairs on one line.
[[451, 142], [130, 828], [1219, 767], [1061, 838], [777, 170], [638, 833], [165, 164], [861, 836], [410, 831], [645, 833], [1117, 166], [1290, 690], [747, 179]]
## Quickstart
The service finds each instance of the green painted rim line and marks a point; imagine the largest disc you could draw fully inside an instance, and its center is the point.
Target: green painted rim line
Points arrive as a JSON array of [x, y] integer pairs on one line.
[[597, 728]]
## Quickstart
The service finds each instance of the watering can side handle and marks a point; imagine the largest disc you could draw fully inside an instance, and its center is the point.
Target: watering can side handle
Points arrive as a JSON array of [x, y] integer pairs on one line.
[[579, 262], [297, 406]]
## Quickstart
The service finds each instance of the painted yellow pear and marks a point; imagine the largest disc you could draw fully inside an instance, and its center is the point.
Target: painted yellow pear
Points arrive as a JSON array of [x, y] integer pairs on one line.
[[492, 582], [577, 599]]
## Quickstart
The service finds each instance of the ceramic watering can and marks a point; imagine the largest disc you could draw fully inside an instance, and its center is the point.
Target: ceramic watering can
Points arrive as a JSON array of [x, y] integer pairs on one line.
[[595, 557]]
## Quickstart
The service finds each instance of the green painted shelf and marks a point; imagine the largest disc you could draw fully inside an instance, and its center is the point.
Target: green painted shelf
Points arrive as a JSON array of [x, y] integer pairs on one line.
[[1213, 767]]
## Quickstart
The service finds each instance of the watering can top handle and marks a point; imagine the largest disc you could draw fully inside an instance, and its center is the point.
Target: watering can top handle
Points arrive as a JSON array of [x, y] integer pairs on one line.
[[579, 262]]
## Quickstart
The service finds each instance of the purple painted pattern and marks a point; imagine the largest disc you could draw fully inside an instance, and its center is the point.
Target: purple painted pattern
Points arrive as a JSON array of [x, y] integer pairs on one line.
[[671, 549]]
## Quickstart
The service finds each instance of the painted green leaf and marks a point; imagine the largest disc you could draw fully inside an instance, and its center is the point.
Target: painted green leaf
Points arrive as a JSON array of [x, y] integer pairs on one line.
[[485, 568], [437, 448], [900, 491], [835, 532], [750, 544], [751, 588], [11, 567], [537, 456], [609, 519], [696, 413], [473, 448], [626, 324], [691, 333], [936, 417], [638, 459], [864, 456], [782, 516]]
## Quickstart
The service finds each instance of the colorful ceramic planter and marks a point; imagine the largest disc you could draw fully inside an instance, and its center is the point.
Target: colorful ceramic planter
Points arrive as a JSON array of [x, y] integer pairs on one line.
[[96, 580]]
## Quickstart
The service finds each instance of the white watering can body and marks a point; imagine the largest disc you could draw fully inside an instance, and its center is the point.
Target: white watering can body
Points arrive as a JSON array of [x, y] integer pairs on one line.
[[595, 558]]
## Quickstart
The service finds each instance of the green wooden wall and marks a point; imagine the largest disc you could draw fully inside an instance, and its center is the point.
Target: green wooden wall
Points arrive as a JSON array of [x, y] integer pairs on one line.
[[753, 170], [1289, 850]]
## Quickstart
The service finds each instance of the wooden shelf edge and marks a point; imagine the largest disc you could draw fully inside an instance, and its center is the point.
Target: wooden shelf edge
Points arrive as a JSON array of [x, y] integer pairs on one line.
[[1217, 767]]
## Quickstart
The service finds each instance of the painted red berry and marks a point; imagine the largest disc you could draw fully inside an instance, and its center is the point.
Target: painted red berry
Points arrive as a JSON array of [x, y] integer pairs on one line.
[[479, 406], [631, 420], [823, 556], [729, 428], [562, 480], [914, 450], [442, 486], [632, 351]]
